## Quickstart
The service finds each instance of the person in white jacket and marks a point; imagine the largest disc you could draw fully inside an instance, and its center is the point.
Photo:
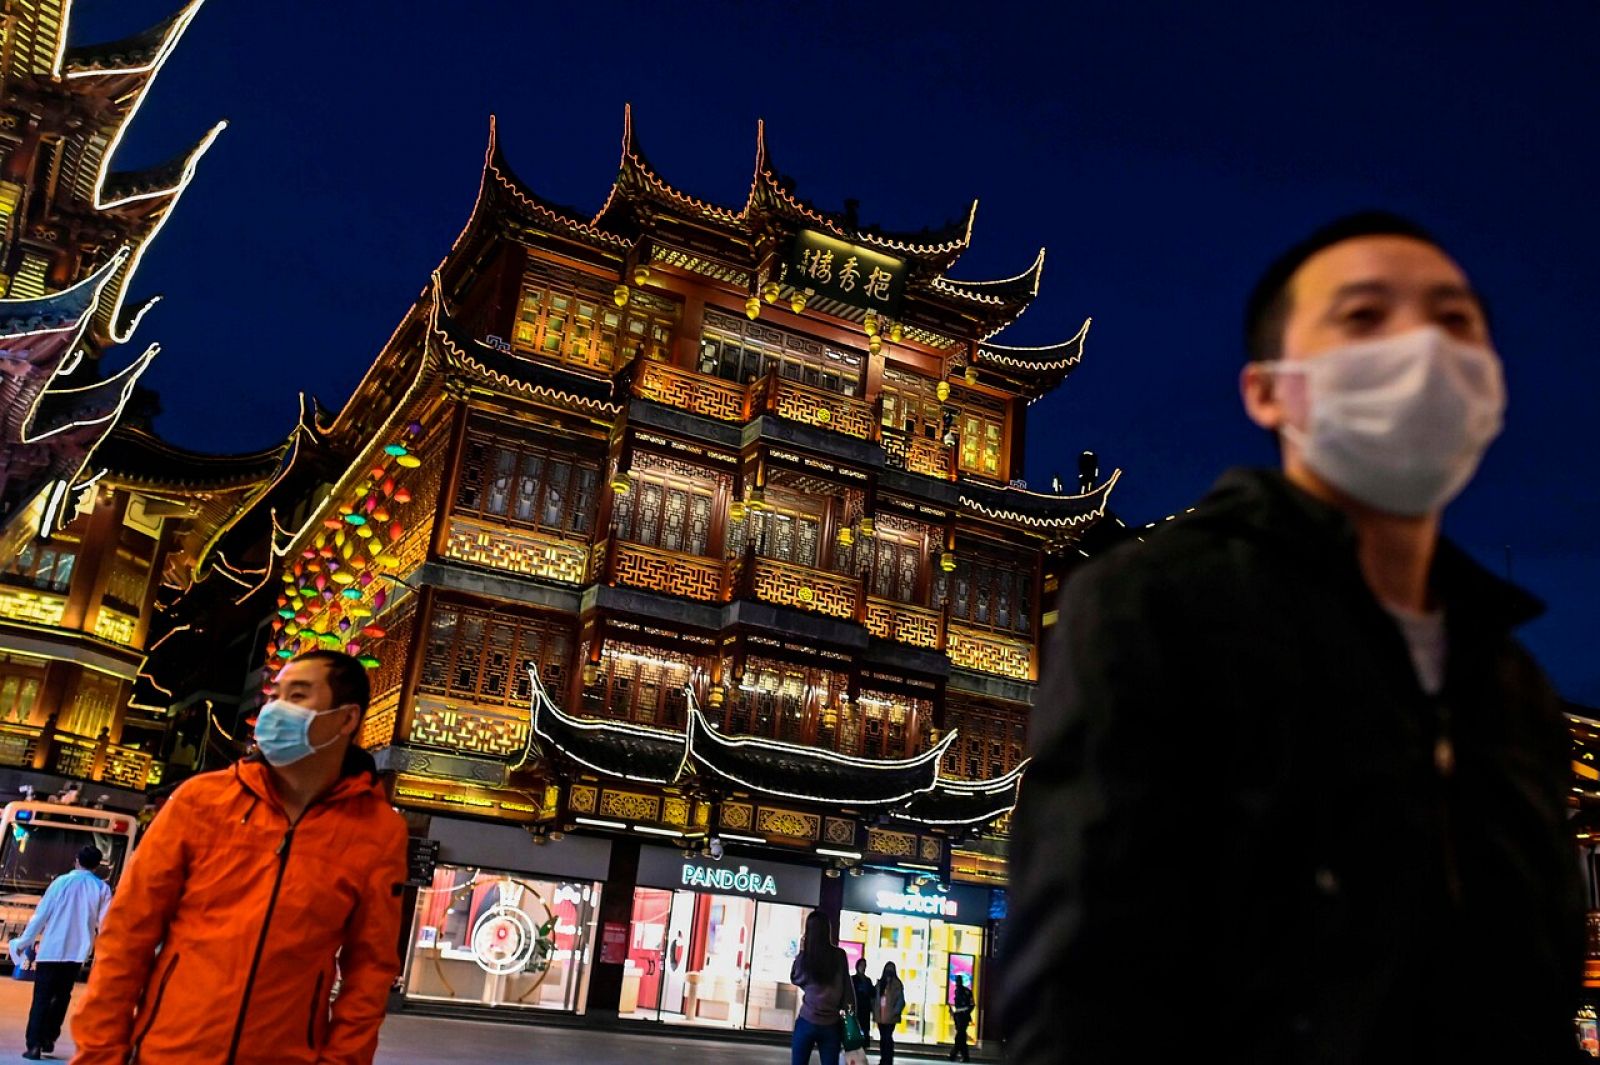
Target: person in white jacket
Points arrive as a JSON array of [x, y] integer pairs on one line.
[[65, 925]]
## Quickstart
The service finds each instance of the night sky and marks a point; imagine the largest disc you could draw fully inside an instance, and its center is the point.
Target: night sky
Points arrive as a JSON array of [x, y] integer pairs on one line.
[[1162, 153]]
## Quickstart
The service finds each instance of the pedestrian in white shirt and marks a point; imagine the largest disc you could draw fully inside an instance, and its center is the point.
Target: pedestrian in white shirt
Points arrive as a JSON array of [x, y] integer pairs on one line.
[[65, 924]]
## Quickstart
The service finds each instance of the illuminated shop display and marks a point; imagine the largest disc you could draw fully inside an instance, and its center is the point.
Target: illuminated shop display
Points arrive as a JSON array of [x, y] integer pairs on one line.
[[502, 939], [931, 934]]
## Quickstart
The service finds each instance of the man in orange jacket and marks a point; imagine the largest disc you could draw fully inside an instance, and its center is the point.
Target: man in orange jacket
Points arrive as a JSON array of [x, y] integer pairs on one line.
[[254, 890]]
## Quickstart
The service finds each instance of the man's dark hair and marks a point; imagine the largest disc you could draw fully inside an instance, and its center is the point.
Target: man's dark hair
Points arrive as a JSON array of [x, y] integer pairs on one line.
[[89, 857], [347, 678], [1266, 312]]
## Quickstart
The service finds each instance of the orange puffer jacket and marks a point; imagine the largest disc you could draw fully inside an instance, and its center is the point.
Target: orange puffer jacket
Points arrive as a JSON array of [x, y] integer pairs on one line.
[[230, 926]]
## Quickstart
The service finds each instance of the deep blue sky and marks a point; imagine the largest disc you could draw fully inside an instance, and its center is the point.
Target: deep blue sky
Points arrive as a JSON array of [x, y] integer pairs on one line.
[[1163, 153]]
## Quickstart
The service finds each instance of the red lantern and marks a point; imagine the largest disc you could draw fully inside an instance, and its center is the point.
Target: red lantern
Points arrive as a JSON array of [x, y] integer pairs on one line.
[[395, 532], [402, 495]]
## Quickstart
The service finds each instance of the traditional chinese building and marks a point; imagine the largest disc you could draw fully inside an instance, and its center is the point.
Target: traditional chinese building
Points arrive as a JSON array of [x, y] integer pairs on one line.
[[685, 547], [98, 518]]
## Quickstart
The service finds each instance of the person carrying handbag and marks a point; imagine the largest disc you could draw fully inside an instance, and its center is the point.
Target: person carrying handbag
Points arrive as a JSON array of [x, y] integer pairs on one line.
[[821, 972]]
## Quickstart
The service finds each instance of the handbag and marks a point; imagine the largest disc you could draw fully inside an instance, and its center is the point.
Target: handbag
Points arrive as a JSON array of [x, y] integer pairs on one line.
[[853, 1039]]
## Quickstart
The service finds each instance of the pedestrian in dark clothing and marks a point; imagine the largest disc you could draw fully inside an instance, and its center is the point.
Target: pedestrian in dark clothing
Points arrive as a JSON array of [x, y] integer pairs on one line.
[[864, 995], [890, 1005], [65, 924], [1287, 746], [822, 973], [961, 1006]]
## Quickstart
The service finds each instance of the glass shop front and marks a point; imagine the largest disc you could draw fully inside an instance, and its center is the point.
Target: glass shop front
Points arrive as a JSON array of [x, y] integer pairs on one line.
[[711, 942], [931, 935], [508, 938]]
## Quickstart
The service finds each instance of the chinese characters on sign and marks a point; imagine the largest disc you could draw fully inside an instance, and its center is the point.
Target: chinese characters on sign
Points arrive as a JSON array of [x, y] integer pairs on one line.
[[845, 272]]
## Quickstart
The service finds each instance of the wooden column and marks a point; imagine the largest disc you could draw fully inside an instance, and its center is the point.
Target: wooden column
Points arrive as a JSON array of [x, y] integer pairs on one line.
[[97, 553]]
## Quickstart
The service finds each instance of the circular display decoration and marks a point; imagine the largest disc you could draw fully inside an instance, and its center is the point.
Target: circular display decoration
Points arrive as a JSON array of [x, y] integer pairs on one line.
[[503, 940], [506, 938]]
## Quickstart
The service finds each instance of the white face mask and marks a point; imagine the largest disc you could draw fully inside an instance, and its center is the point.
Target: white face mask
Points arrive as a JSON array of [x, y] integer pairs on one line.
[[1399, 423]]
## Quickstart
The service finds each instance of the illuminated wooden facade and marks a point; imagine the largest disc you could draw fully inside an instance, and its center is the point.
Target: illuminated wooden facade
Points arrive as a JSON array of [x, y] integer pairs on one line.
[[99, 519], [650, 456]]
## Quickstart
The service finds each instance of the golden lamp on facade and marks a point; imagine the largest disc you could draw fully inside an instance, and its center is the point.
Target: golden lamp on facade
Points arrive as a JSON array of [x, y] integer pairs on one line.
[[752, 308], [797, 302], [870, 323], [896, 332], [769, 292], [845, 537], [971, 374], [942, 390], [641, 274], [619, 295], [621, 484], [868, 527], [947, 562], [736, 510]]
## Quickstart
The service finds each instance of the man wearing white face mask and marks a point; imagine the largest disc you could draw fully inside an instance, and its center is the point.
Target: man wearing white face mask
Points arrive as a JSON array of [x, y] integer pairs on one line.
[[1287, 756], [254, 890]]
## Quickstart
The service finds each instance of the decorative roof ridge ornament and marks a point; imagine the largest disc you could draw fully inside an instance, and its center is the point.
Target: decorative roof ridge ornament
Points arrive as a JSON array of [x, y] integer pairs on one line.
[[1062, 355]]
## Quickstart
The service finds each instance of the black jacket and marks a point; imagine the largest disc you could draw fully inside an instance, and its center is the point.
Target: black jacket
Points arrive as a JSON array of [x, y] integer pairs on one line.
[[1240, 837]]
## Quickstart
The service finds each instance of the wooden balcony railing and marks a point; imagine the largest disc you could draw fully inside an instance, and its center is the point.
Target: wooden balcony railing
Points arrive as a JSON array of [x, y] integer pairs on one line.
[[697, 393], [671, 572], [989, 652], [713, 397], [521, 551], [77, 757], [820, 408], [917, 454], [801, 587], [914, 626]]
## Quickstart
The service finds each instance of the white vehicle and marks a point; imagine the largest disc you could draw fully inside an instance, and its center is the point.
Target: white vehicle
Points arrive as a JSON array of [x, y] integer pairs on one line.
[[40, 840]]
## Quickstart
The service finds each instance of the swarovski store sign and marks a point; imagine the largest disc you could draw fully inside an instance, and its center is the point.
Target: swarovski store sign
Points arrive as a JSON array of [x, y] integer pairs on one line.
[[752, 878]]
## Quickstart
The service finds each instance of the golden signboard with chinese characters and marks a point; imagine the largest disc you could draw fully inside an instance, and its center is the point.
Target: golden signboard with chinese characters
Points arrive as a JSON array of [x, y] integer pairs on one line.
[[835, 269]]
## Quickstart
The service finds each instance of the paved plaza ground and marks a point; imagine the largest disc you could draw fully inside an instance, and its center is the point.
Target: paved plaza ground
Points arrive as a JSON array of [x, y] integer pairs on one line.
[[408, 1039]]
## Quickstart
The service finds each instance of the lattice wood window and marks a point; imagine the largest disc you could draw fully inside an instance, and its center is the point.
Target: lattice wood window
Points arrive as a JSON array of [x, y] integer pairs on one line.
[[981, 422], [890, 726], [991, 592], [671, 505], [44, 564], [21, 679], [640, 684], [93, 705], [989, 740], [739, 350], [894, 559], [521, 483], [786, 702], [570, 317], [911, 405], [479, 656], [129, 579]]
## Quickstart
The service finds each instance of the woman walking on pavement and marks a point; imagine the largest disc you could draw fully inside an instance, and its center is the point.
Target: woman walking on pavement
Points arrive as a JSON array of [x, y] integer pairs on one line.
[[889, 1004], [821, 972]]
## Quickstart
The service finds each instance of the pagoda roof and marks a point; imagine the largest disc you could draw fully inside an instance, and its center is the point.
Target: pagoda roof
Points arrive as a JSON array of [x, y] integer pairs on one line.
[[772, 192], [965, 802], [62, 410], [137, 54], [163, 179], [1038, 510], [769, 767], [534, 378], [615, 748], [60, 310], [1053, 361], [136, 456], [502, 188], [637, 180], [792, 771]]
